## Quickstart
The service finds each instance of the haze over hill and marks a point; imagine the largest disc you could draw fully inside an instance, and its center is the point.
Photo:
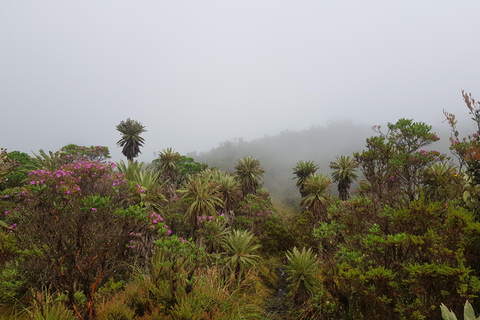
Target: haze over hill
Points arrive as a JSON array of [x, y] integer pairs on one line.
[[279, 154]]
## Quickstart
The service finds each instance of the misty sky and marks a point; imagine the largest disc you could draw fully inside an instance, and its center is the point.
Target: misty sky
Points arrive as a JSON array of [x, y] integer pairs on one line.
[[197, 73]]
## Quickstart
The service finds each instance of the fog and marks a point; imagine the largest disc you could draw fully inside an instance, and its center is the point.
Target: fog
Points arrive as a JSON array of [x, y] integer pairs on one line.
[[198, 73]]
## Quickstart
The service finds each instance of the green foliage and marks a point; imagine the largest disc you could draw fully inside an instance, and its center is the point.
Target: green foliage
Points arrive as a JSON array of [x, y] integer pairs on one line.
[[393, 163], [229, 188], [400, 263], [45, 307], [8, 243], [7, 167], [252, 213], [73, 153], [20, 174], [12, 283], [441, 182], [131, 140], [187, 168]]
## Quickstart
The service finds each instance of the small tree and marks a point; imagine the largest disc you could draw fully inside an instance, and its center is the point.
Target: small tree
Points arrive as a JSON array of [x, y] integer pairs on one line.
[[393, 163], [72, 153]]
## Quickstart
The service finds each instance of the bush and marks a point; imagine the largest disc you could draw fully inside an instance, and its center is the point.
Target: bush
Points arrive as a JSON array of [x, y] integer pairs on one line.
[[77, 229], [399, 264]]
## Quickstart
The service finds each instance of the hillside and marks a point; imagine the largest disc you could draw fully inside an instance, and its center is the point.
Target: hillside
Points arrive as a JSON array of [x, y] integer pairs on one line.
[[278, 154]]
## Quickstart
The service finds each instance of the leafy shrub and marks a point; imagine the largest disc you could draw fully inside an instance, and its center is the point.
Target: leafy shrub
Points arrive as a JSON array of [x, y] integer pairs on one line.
[[400, 263], [76, 225]]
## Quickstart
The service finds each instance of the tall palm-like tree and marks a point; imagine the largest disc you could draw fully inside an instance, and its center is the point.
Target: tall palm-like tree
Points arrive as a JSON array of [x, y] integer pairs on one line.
[[201, 196], [168, 165], [303, 169], [316, 189], [131, 140], [249, 173], [345, 173]]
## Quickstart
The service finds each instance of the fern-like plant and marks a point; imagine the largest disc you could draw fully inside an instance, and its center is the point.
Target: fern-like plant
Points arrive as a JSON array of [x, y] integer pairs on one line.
[[468, 313]]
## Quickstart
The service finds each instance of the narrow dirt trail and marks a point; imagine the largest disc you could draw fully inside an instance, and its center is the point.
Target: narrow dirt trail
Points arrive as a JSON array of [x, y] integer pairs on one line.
[[277, 304]]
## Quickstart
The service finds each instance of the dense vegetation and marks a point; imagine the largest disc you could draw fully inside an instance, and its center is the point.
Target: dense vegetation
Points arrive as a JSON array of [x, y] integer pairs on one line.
[[84, 238]]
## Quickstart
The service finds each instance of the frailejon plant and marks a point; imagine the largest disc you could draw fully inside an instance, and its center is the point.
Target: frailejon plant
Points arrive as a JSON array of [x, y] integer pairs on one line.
[[468, 313], [201, 196], [344, 174], [316, 188], [131, 140], [75, 225], [249, 172], [302, 170], [302, 270], [241, 251]]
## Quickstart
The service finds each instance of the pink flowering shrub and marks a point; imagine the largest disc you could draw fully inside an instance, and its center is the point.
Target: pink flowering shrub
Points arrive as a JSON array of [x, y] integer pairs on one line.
[[252, 213], [257, 214], [74, 225]]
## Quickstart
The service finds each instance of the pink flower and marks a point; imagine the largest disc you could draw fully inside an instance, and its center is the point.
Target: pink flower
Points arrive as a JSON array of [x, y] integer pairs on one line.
[[94, 209]]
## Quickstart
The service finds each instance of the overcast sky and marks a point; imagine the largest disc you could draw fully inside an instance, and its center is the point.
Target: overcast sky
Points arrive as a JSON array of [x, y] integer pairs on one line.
[[197, 73]]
